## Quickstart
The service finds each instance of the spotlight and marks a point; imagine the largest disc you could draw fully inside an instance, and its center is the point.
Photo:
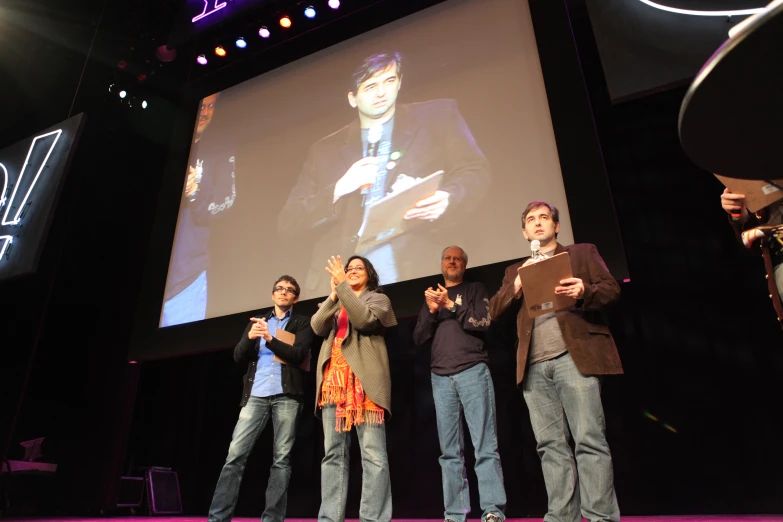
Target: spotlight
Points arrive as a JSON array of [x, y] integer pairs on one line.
[[220, 51], [264, 32], [241, 43], [123, 94], [285, 22], [202, 60], [144, 104], [309, 12], [334, 4]]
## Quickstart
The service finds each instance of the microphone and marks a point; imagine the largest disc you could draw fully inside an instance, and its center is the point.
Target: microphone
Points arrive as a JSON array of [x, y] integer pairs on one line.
[[373, 141], [535, 248], [197, 178]]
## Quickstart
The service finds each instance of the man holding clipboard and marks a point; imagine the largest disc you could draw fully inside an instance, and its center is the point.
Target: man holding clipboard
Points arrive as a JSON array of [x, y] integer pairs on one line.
[[276, 348], [386, 147], [561, 355]]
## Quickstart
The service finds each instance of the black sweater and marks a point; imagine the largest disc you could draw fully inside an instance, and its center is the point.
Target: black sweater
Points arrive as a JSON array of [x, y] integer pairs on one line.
[[246, 351]]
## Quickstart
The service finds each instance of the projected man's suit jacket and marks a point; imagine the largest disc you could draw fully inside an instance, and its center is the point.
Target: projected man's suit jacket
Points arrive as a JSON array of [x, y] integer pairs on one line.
[[430, 136]]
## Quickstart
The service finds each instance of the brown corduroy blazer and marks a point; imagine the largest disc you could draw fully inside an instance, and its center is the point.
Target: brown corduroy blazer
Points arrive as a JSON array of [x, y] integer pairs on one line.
[[585, 332]]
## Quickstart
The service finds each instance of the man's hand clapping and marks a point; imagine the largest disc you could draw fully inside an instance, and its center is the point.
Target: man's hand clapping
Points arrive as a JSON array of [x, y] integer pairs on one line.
[[260, 328], [437, 299]]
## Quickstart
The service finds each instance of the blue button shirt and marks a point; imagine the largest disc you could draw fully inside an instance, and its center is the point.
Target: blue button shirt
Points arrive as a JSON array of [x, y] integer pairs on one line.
[[268, 380]]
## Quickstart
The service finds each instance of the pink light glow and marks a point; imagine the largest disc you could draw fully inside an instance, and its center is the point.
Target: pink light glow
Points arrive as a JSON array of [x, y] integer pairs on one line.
[[264, 32], [202, 59], [627, 280], [334, 4]]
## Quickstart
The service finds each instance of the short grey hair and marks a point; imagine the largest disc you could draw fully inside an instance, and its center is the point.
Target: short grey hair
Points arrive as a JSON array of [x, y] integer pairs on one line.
[[464, 254]]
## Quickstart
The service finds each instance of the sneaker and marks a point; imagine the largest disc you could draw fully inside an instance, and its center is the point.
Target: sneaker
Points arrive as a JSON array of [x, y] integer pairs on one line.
[[493, 518]]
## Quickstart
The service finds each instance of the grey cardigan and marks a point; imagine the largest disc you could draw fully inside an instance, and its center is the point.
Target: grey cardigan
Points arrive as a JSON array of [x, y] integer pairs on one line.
[[364, 348]]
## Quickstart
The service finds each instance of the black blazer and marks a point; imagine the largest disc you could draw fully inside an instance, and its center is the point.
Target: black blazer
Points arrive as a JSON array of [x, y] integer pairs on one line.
[[246, 351]]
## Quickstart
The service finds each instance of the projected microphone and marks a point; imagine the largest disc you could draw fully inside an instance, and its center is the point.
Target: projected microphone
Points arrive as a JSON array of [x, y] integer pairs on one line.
[[373, 141]]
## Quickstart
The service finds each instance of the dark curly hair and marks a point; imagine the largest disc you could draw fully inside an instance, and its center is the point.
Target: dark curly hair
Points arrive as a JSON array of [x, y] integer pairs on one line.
[[287, 279], [373, 282]]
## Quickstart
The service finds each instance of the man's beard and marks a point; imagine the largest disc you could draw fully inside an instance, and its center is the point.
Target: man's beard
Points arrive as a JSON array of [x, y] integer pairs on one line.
[[453, 278]]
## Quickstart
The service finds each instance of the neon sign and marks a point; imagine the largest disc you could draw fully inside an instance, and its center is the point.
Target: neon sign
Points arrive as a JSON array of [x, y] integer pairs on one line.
[[4, 240], [218, 5], [32, 171], [7, 240]]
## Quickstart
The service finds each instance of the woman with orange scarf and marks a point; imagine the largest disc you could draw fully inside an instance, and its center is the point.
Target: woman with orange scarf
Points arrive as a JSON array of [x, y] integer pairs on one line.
[[353, 388]]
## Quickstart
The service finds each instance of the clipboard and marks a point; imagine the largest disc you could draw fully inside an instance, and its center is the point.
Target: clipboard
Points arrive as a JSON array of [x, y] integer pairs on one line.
[[289, 338], [384, 218], [539, 281], [758, 193]]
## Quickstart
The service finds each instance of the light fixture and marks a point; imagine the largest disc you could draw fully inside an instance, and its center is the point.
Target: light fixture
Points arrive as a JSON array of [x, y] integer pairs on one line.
[[285, 22], [309, 12], [334, 4], [220, 51], [123, 94], [202, 60], [692, 12], [143, 104], [264, 32], [241, 43]]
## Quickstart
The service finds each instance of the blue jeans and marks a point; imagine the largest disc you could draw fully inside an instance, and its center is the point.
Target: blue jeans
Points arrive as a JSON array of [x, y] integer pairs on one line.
[[471, 393], [562, 402], [376, 503], [187, 306], [284, 410]]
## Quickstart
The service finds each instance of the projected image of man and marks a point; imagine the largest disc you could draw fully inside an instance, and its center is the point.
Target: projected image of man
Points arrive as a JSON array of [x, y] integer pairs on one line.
[[383, 151], [209, 191]]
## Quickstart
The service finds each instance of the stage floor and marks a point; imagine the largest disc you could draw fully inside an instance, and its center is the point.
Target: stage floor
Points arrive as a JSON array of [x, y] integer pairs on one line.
[[669, 518]]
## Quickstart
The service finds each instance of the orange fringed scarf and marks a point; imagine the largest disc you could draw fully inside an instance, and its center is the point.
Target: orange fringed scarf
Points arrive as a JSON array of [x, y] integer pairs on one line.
[[343, 389]]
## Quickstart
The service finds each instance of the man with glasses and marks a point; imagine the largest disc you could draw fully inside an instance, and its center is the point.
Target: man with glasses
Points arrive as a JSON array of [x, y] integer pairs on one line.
[[273, 388], [454, 319]]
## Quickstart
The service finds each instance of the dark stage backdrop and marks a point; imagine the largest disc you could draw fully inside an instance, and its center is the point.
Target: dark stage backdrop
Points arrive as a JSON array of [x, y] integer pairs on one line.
[[699, 340]]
